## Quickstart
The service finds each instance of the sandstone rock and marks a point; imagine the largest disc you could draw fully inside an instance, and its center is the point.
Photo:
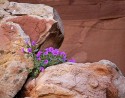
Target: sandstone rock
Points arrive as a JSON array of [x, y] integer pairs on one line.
[[109, 63], [93, 40], [3, 1], [22, 23], [38, 29], [30, 9], [13, 63], [77, 80], [99, 40], [3, 14], [41, 22], [4, 4], [85, 9]]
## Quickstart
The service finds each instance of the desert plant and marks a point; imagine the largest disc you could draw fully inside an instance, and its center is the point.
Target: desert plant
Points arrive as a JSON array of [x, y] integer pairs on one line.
[[43, 59]]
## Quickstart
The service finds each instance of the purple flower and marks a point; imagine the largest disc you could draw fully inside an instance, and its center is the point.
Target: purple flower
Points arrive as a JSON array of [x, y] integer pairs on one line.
[[33, 43], [39, 54], [47, 49], [38, 58], [72, 60], [55, 52], [64, 59], [29, 50], [63, 54], [22, 50], [46, 61], [50, 49], [42, 69], [45, 53]]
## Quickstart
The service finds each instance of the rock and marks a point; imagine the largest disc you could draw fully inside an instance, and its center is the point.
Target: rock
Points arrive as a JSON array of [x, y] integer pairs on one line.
[[3, 14], [41, 22], [93, 40], [77, 80], [30, 9], [90, 43], [3, 1], [13, 63], [4, 4], [38, 29], [85, 9], [21, 23], [109, 63]]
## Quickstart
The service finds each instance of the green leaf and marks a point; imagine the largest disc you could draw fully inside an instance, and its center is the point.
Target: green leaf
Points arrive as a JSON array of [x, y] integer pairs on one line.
[[36, 50]]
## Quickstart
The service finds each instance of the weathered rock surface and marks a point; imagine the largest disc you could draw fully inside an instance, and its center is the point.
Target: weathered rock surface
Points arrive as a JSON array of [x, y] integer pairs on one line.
[[13, 63], [3, 1], [77, 80], [30, 9], [21, 23], [85, 9], [93, 40], [41, 22]]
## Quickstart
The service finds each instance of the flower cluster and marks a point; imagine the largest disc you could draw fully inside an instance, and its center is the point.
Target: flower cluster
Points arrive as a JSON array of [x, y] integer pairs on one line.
[[50, 54], [45, 58]]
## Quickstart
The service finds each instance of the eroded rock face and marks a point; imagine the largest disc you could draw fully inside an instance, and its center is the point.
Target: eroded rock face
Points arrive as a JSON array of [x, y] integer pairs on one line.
[[41, 22], [21, 23], [13, 63], [78, 80], [92, 40]]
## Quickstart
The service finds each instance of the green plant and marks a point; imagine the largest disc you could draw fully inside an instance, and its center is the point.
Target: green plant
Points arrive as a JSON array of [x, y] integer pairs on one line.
[[45, 58]]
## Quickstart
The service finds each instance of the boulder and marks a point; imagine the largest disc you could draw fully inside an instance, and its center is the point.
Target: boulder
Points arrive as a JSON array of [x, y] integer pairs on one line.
[[3, 1], [41, 22], [21, 23], [13, 63], [77, 80]]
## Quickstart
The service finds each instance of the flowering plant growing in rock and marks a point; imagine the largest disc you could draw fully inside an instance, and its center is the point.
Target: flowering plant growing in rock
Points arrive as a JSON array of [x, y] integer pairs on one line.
[[45, 58]]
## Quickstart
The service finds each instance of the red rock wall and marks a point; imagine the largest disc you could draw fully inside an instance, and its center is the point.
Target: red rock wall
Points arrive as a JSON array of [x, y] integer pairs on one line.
[[95, 40], [94, 29], [85, 9]]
